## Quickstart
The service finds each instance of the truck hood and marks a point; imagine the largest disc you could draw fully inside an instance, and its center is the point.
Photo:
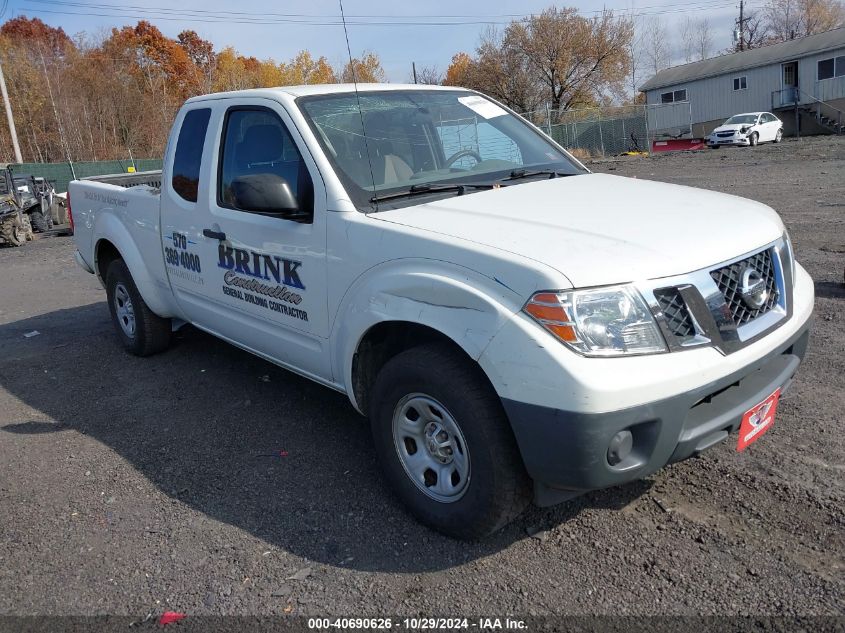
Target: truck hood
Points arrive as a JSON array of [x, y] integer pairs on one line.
[[598, 229]]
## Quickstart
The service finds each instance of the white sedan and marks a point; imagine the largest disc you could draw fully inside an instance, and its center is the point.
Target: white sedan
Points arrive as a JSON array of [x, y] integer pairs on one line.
[[747, 129]]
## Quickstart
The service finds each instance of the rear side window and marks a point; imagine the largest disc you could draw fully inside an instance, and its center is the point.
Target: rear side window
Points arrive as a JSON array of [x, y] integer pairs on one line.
[[186, 163]]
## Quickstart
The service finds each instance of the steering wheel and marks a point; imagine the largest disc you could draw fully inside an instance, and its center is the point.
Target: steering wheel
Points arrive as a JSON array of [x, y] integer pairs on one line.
[[460, 154]]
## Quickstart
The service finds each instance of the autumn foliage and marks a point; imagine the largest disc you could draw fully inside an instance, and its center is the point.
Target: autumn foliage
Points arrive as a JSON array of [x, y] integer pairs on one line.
[[101, 100]]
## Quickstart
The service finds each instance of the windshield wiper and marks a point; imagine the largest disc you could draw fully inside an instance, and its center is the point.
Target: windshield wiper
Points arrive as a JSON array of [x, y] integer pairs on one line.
[[424, 188], [517, 174]]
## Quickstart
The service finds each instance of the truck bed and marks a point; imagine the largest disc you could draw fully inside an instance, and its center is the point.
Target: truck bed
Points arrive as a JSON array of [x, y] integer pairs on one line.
[[123, 209], [149, 178]]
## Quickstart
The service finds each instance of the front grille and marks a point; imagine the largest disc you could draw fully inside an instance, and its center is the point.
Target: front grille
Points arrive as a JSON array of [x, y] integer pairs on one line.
[[675, 311], [724, 134], [729, 281]]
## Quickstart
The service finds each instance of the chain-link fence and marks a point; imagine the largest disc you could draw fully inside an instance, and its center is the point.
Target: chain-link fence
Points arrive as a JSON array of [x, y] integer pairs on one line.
[[611, 130], [60, 174]]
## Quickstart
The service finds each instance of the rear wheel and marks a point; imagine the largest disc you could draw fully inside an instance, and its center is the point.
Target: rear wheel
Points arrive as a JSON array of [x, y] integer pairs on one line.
[[445, 444], [40, 222], [753, 139], [140, 330], [12, 230]]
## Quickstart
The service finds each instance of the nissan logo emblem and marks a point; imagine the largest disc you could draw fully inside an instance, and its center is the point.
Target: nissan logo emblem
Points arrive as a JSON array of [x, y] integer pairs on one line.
[[753, 288]]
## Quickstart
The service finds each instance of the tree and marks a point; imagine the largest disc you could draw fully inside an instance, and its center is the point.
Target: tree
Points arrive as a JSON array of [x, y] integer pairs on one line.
[[101, 97], [457, 72], [303, 69], [635, 51], [557, 57], [25, 31], [787, 19], [703, 38], [33, 52], [366, 69], [201, 54], [429, 75], [656, 51], [755, 33], [575, 59], [688, 41]]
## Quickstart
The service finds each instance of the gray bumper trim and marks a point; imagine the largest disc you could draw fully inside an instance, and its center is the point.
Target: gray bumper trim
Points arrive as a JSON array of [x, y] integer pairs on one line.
[[565, 451]]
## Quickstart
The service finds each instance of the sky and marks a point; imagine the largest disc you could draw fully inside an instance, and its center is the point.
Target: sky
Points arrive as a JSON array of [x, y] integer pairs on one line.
[[280, 29]]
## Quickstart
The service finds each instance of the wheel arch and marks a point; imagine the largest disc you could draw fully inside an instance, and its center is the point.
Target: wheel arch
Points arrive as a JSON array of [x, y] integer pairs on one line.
[[112, 241], [384, 341], [409, 303]]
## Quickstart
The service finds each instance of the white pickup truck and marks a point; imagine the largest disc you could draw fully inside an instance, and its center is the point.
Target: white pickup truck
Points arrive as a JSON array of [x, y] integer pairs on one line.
[[514, 326]]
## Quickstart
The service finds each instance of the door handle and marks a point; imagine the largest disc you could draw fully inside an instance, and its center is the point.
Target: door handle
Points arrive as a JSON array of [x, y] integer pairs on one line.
[[214, 235]]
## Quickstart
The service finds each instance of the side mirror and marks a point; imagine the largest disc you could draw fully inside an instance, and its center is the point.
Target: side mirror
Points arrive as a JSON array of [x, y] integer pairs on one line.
[[267, 194]]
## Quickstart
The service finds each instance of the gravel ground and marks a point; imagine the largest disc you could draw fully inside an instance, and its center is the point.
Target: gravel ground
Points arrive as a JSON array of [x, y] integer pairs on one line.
[[133, 485]]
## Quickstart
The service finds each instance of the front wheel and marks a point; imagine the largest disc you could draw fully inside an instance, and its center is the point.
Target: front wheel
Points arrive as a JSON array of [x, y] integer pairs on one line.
[[753, 139], [779, 136], [40, 222], [140, 330], [445, 444]]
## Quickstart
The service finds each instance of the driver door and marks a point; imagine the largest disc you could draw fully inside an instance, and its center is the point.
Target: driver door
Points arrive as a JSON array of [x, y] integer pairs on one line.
[[263, 274]]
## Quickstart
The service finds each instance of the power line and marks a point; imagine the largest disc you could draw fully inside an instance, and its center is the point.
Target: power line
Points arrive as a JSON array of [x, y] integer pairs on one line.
[[181, 15], [392, 17]]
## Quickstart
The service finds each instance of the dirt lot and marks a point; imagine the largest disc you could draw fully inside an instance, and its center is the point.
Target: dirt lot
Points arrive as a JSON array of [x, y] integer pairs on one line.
[[133, 485]]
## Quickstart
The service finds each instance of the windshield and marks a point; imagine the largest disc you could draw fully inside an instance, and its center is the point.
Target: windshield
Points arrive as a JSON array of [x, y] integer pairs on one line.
[[23, 185], [742, 118], [424, 139]]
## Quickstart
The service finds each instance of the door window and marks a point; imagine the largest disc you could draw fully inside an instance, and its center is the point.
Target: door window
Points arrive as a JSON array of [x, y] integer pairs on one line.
[[258, 151], [789, 72], [186, 162]]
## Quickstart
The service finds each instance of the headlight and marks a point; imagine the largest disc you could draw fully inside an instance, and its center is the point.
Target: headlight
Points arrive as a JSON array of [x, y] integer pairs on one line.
[[743, 130], [789, 253], [609, 321]]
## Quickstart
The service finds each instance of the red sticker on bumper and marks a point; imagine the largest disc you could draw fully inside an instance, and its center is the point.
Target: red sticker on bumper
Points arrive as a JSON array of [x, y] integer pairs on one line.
[[757, 420]]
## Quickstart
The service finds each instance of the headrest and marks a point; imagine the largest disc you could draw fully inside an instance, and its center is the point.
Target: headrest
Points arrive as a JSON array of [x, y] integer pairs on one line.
[[261, 144]]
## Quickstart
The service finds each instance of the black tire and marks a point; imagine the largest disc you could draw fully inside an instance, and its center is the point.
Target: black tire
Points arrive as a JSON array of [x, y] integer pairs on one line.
[[753, 139], [39, 221], [13, 231], [151, 333], [27, 226], [779, 136], [715, 147], [498, 489]]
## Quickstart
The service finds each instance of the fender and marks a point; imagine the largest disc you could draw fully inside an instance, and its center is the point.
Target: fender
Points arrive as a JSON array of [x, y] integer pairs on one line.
[[460, 303], [155, 292]]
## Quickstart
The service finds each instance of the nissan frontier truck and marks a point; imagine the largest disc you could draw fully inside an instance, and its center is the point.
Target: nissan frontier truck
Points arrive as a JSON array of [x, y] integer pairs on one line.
[[515, 327]]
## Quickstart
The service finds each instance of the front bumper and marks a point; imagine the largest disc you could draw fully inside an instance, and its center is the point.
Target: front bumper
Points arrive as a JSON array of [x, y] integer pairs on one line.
[[565, 452], [731, 140]]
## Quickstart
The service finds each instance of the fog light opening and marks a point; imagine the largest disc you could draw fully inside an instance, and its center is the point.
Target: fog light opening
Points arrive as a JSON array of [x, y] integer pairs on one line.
[[620, 447]]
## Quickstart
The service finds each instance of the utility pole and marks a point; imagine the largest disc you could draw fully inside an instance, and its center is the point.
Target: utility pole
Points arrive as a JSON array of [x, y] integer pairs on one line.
[[414, 70], [12, 131], [741, 24]]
